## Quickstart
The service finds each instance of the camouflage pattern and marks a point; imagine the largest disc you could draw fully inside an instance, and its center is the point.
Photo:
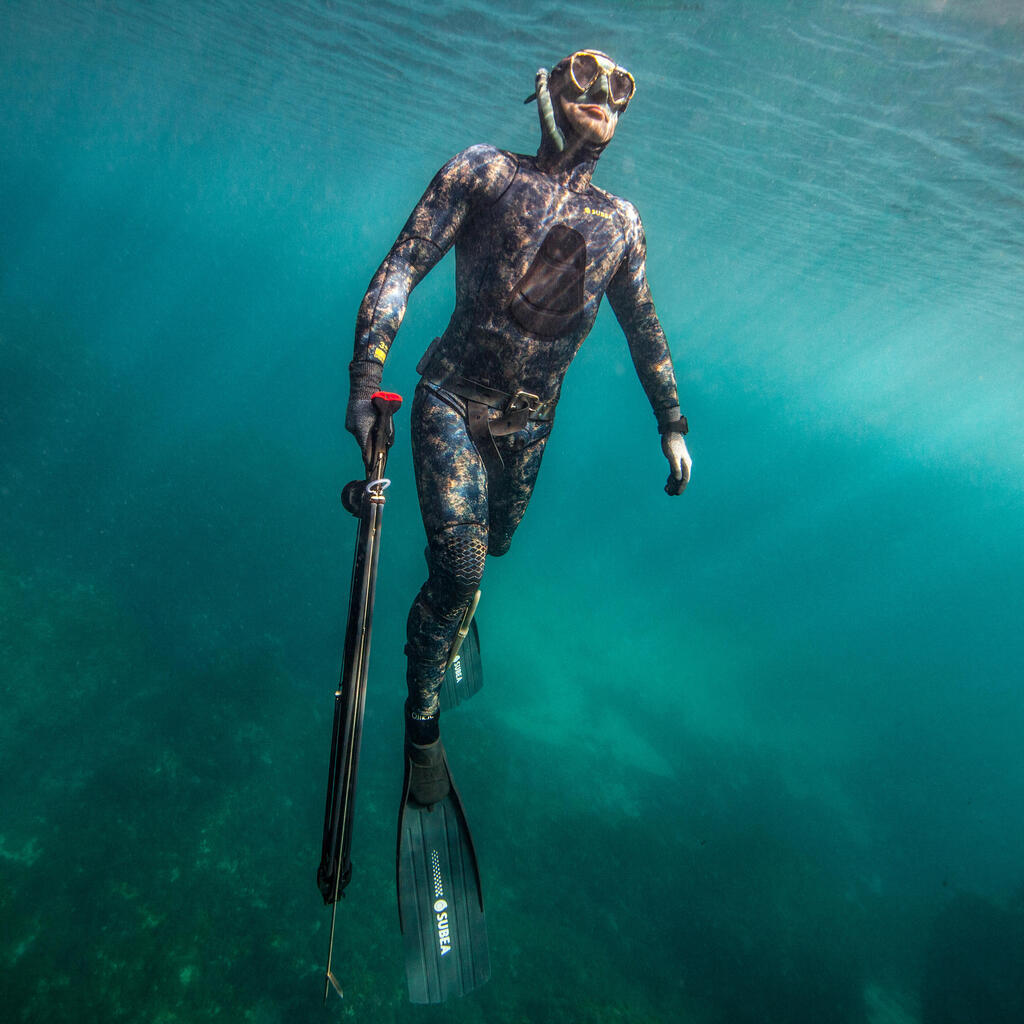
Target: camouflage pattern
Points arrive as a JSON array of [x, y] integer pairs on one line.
[[497, 209], [467, 514]]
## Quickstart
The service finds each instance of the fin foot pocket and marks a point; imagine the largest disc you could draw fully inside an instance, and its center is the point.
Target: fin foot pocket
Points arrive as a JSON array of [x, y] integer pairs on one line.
[[428, 773]]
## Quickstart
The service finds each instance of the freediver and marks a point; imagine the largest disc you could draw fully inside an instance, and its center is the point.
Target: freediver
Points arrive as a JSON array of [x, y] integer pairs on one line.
[[537, 245]]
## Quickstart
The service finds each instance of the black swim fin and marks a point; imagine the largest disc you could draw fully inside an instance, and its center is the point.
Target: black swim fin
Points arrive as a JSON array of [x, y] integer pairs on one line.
[[440, 900], [464, 675]]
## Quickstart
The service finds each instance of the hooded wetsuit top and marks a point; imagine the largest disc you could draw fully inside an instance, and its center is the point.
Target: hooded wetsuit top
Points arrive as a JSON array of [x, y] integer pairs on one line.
[[535, 250], [534, 254]]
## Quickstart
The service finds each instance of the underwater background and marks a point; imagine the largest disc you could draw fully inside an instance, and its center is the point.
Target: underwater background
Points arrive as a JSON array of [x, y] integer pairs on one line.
[[749, 755]]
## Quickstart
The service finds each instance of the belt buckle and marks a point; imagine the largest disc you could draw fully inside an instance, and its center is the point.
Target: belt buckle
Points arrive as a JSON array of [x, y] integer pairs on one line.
[[523, 401], [520, 405]]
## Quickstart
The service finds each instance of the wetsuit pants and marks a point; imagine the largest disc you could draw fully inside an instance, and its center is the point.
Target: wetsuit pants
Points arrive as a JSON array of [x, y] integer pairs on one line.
[[468, 513]]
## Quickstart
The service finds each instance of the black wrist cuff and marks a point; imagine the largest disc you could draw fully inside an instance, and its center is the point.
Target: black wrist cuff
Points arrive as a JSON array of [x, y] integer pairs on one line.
[[364, 377], [679, 426]]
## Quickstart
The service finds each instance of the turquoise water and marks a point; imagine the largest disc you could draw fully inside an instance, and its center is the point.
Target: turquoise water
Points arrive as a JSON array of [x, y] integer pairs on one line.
[[752, 755]]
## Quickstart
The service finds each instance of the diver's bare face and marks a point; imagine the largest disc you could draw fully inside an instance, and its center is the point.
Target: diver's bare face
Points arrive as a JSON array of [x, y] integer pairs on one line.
[[592, 114]]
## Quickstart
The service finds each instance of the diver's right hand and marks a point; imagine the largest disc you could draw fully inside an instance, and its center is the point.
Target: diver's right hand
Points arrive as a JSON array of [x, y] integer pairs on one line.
[[360, 416], [359, 419]]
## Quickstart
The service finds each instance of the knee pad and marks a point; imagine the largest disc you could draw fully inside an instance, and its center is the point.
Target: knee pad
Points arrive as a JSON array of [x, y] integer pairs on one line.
[[458, 553]]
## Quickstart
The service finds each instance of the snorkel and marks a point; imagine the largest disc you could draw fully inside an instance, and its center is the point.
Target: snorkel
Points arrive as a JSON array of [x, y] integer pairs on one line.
[[551, 133]]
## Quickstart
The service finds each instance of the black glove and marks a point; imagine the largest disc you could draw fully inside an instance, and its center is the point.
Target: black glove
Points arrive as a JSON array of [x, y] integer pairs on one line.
[[364, 380]]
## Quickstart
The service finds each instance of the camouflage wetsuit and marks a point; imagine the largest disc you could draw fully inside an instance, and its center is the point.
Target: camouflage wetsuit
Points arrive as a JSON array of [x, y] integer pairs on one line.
[[536, 247]]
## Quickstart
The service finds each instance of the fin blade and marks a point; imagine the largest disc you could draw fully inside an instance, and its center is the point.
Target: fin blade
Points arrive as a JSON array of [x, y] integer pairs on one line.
[[465, 675], [440, 903]]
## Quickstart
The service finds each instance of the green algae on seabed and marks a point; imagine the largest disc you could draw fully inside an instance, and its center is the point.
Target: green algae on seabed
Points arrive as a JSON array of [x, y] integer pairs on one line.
[[162, 864], [174, 823]]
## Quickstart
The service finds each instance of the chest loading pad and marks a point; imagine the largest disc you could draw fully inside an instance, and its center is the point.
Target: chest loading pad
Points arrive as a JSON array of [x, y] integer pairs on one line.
[[548, 299]]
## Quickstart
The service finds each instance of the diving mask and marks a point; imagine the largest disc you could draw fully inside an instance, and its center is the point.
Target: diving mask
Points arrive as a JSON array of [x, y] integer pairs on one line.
[[584, 68]]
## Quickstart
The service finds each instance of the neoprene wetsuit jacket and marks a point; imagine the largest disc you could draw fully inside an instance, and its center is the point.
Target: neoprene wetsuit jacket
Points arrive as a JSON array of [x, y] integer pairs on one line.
[[536, 248], [498, 210]]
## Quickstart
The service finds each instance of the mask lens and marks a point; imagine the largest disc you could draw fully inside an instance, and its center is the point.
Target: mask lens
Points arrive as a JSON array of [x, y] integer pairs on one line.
[[584, 69], [621, 86]]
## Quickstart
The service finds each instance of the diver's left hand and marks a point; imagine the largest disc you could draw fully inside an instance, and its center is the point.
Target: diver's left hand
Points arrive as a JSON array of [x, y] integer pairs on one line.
[[674, 448]]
